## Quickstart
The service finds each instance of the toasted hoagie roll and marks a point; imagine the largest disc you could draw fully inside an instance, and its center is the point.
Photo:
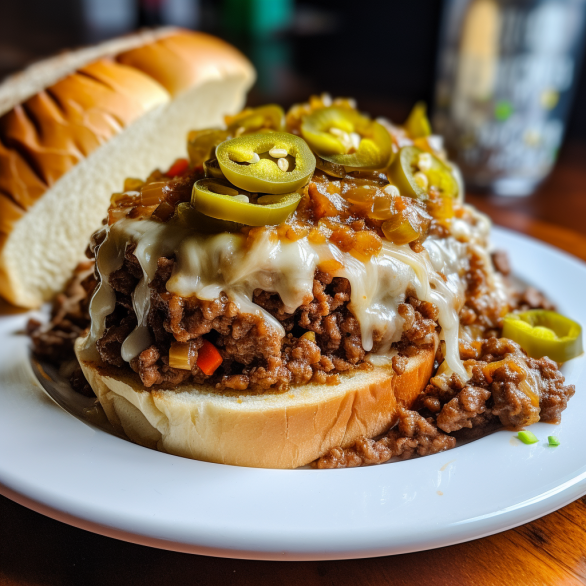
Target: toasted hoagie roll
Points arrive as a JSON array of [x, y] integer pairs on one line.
[[73, 127]]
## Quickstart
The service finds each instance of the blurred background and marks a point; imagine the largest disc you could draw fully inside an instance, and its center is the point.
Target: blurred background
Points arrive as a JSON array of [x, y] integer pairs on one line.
[[502, 77]]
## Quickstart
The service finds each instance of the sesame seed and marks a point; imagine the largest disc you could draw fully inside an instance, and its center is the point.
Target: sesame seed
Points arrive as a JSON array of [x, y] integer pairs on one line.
[[391, 190], [241, 197], [326, 100], [424, 162], [254, 159], [240, 130], [421, 180], [278, 153], [283, 164]]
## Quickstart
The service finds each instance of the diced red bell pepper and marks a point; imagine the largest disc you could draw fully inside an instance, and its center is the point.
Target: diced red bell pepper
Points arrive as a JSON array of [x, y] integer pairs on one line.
[[179, 167], [208, 358]]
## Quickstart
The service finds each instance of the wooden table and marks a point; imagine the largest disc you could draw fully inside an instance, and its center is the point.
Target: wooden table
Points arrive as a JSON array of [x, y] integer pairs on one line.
[[550, 551]]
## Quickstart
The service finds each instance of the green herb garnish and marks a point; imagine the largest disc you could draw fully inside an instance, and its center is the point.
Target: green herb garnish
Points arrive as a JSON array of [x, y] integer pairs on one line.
[[527, 437]]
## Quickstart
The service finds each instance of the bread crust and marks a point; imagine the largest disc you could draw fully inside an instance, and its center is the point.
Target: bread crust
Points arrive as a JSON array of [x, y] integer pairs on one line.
[[90, 97], [268, 430]]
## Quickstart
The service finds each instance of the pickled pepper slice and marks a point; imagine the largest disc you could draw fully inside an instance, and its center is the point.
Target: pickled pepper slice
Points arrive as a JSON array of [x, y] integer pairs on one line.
[[211, 168], [247, 163], [188, 217], [417, 123], [201, 144], [219, 199], [345, 137], [541, 332], [415, 180], [269, 117]]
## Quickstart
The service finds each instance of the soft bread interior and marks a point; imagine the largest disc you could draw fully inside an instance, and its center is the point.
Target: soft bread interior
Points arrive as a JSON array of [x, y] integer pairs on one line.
[[89, 119], [268, 430], [49, 240]]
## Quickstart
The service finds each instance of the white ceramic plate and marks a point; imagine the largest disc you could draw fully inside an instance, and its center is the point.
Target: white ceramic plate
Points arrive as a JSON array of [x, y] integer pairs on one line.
[[63, 467]]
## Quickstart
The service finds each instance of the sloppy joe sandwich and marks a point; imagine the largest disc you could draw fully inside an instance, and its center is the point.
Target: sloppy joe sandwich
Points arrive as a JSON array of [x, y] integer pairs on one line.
[[300, 285]]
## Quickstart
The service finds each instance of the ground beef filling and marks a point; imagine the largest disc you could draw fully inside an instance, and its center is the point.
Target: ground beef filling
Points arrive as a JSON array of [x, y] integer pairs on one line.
[[413, 435], [451, 409], [53, 341], [255, 356]]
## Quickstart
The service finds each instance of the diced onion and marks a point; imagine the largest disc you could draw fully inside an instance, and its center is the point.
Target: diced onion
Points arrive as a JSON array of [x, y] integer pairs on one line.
[[181, 355], [152, 193]]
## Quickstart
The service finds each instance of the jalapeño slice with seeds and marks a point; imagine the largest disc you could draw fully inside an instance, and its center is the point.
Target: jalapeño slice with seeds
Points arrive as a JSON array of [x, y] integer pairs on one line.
[[217, 198], [345, 137], [263, 118], [414, 182], [246, 162], [201, 144]]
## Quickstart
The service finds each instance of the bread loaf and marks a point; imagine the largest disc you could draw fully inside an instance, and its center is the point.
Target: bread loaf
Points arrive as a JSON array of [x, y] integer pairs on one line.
[[73, 127]]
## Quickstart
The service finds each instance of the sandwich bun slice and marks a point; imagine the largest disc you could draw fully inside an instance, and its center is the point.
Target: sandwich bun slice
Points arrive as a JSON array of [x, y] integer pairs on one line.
[[267, 430], [73, 127]]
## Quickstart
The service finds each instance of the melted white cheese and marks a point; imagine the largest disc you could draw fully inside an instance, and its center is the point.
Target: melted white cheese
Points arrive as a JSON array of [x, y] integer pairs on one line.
[[208, 265]]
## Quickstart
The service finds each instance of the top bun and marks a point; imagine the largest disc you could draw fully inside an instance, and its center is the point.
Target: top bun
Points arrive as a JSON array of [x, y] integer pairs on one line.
[[73, 127]]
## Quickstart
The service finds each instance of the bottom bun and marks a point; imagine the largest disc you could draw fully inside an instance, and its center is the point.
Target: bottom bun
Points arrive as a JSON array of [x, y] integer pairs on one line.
[[264, 430]]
